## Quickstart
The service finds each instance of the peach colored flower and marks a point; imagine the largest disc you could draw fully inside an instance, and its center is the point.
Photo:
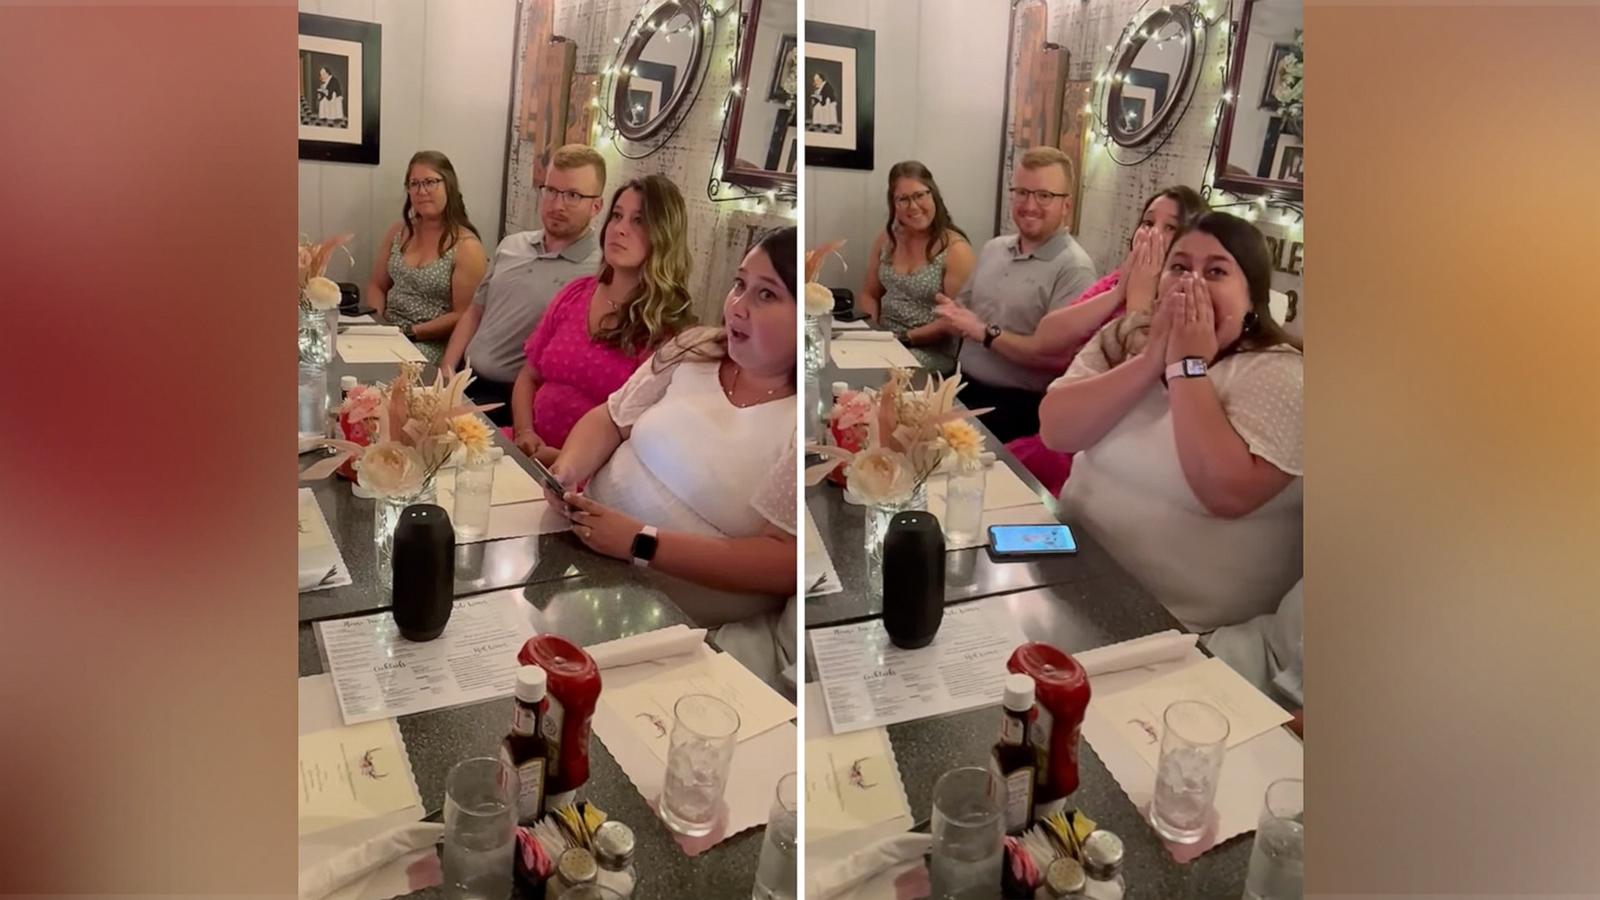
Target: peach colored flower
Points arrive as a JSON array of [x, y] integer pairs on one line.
[[880, 475], [322, 292], [390, 469], [963, 439], [819, 300], [472, 433]]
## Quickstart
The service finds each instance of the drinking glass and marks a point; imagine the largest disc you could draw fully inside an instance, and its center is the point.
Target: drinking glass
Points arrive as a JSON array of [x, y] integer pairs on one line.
[[313, 403], [480, 820], [963, 503], [474, 491], [704, 733], [1277, 861], [968, 835], [776, 873], [1193, 744]]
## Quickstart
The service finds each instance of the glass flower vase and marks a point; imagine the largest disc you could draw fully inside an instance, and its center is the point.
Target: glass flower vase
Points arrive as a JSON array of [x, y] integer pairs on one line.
[[880, 514], [385, 518], [317, 328], [819, 330]]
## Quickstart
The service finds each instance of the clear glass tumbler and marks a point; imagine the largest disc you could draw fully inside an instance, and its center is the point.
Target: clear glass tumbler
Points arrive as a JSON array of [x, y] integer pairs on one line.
[[777, 875], [705, 731], [474, 493], [480, 820], [1277, 861], [313, 402], [968, 835], [1193, 743], [963, 503]]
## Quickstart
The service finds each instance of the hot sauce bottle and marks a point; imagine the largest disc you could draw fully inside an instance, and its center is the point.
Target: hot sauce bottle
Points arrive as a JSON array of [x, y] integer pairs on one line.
[[1062, 691], [574, 689], [1015, 759], [525, 748]]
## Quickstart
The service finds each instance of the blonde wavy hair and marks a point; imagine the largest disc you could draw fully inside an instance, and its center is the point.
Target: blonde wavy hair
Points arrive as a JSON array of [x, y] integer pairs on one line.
[[709, 343], [658, 307]]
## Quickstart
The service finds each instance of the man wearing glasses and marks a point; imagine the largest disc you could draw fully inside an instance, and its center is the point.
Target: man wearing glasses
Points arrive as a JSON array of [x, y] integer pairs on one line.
[[527, 270], [1018, 278]]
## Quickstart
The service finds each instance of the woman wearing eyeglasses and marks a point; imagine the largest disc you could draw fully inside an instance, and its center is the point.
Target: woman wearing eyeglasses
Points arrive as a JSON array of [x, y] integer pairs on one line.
[[599, 328], [920, 253], [435, 259]]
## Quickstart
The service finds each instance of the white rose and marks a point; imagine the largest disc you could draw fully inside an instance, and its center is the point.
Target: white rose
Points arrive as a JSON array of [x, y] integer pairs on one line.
[[819, 300], [322, 293], [879, 476], [391, 469]]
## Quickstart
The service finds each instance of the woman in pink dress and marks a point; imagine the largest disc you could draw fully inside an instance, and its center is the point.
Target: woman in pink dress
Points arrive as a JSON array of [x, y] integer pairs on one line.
[[1129, 287], [599, 328]]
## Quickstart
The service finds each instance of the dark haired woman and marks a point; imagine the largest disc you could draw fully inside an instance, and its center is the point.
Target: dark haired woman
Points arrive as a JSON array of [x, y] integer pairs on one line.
[[1131, 287], [435, 260], [1186, 425], [920, 253]]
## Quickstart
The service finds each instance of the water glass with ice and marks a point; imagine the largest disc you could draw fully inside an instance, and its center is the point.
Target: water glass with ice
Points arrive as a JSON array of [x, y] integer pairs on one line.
[[1277, 861], [776, 873], [968, 835], [313, 403], [963, 504], [705, 732], [480, 819], [1193, 743], [474, 492]]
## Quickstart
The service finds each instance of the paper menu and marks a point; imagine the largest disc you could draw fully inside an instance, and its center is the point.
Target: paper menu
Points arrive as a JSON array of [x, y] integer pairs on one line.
[[872, 355], [1136, 713], [646, 705], [321, 566], [852, 783], [376, 348], [821, 577], [378, 674], [867, 681], [355, 772]]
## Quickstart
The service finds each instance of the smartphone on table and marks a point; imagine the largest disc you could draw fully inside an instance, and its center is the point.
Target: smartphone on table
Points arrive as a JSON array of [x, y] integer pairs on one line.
[[1008, 542]]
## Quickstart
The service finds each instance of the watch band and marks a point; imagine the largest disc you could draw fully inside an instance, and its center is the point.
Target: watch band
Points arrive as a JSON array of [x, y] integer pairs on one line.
[[989, 335], [1188, 367], [644, 546]]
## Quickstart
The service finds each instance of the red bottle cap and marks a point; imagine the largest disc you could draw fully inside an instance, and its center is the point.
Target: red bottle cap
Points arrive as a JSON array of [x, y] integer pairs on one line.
[[556, 654], [1048, 666]]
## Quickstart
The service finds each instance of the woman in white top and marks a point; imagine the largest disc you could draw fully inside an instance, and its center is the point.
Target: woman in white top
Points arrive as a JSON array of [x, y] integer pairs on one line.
[[1190, 473], [700, 445]]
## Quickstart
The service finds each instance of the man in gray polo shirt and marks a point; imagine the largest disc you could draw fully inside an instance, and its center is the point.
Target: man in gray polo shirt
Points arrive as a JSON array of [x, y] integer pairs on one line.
[[1017, 279], [527, 270]]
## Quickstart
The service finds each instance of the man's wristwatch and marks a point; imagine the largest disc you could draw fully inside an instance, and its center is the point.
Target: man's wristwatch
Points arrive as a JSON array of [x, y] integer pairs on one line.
[[1188, 367], [644, 546], [989, 334]]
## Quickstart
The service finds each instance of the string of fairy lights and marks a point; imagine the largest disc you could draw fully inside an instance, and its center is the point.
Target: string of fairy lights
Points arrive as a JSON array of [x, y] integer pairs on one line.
[[1207, 20], [715, 20]]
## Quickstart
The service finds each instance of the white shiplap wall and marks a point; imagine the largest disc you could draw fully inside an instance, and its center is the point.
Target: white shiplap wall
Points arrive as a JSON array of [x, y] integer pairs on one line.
[[446, 86]]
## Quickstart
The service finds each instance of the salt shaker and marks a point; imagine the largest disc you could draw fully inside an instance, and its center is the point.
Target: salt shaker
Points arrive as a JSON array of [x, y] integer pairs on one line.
[[1064, 879], [574, 867], [613, 851], [1102, 862]]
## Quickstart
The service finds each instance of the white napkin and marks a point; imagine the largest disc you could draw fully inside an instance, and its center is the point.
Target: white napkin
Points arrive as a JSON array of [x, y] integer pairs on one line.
[[366, 869], [859, 335], [671, 641], [1163, 646], [869, 872], [852, 325], [373, 330]]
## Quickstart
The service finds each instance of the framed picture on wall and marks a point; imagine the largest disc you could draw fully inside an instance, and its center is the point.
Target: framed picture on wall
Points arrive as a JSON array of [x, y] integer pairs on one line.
[[1289, 164], [1280, 55], [652, 82], [339, 73], [838, 90], [783, 82], [786, 160]]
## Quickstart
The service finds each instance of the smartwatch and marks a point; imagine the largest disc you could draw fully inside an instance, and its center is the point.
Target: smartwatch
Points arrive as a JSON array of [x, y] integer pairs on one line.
[[1188, 367], [644, 546], [989, 334], [408, 332]]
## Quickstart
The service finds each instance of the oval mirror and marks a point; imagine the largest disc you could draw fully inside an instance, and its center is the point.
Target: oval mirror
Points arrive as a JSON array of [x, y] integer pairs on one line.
[[658, 68], [1150, 76]]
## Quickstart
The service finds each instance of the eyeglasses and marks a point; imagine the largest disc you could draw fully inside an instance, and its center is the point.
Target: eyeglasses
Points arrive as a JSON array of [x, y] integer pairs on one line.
[[911, 199], [551, 193], [424, 184], [1042, 198]]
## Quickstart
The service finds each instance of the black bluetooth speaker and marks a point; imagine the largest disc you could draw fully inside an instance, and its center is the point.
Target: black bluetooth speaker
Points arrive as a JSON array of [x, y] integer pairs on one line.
[[913, 579], [424, 571]]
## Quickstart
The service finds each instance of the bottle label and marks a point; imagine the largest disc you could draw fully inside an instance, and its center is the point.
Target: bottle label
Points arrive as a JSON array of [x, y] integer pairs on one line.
[[1019, 799], [553, 719], [1041, 742], [526, 719], [1011, 731], [530, 790]]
